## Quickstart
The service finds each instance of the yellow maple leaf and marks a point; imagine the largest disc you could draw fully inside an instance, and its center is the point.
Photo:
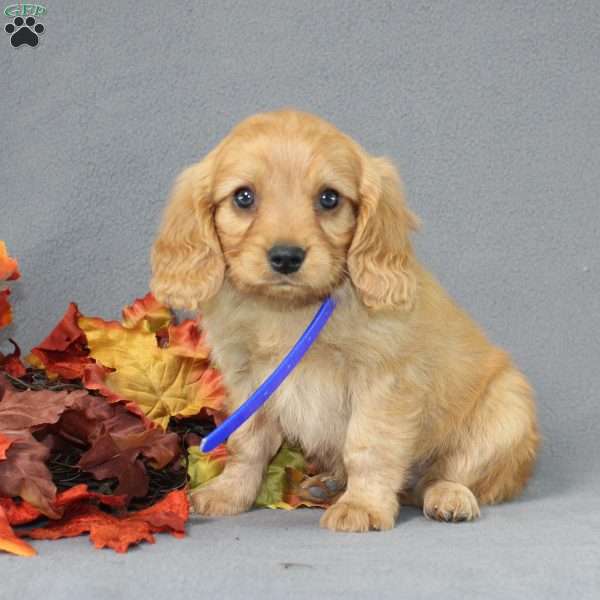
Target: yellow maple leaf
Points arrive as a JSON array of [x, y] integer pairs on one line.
[[160, 381]]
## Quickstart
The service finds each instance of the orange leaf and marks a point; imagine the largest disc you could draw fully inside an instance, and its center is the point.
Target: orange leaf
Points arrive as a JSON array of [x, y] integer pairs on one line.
[[186, 339], [19, 513], [80, 492], [118, 533], [4, 444], [9, 268], [148, 309], [9, 542], [5, 309]]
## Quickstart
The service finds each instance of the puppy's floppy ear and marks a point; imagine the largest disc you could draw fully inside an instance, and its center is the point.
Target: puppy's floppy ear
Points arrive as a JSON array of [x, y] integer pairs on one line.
[[187, 261], [380, 252]]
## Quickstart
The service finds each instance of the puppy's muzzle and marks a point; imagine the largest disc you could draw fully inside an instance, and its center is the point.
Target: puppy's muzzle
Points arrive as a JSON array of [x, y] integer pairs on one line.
[[286, 259]]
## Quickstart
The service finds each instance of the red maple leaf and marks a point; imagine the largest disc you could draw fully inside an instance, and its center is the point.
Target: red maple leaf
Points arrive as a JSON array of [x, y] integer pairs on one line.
[[5, 308], [118, 532], [64, 352], [11, 363]]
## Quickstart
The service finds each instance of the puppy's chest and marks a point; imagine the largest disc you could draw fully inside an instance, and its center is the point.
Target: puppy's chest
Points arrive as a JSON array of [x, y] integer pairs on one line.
[[312, 406]]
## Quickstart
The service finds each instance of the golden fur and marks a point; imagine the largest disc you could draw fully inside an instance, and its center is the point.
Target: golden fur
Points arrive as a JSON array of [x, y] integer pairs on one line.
[[402, 397]]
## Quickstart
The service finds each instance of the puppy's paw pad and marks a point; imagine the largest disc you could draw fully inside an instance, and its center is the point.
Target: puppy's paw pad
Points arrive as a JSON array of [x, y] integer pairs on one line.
[[351, 516], [450, 502], [323, 488], [213, 501]]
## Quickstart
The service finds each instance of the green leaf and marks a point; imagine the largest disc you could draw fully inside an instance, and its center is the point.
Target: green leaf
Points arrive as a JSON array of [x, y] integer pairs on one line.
[[275, 483], [204, 467]]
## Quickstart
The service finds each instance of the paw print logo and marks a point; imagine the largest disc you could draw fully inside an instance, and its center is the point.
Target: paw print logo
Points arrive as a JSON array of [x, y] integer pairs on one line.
[[24, 31]]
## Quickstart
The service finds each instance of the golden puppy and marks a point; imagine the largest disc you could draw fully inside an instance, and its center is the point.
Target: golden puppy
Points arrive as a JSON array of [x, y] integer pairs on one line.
[[402, 397]]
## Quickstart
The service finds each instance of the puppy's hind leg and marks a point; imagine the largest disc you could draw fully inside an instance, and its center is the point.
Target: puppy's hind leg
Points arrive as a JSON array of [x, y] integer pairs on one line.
[[490, 459]]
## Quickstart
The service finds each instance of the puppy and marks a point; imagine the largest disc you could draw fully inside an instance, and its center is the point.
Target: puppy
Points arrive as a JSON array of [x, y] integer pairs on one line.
[[402, 398]]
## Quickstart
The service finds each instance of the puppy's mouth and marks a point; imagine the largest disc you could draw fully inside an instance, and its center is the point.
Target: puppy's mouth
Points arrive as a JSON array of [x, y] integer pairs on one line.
[[285, 282], [286, 287]]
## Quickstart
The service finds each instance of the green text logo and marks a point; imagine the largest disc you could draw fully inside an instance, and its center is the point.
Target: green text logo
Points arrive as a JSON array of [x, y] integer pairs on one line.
[[25, 10]]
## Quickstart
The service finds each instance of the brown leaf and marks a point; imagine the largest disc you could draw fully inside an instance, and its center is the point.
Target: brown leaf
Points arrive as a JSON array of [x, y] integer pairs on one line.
[[105, 460], [116, 440], [24, 473], [23, 410]]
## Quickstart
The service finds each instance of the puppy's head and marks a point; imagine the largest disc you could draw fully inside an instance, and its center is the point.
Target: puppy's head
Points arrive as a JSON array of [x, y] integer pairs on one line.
[[287, 207]]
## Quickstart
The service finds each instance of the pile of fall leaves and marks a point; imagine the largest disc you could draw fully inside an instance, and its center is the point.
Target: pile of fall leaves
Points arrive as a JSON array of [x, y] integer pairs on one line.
[[100, 428]]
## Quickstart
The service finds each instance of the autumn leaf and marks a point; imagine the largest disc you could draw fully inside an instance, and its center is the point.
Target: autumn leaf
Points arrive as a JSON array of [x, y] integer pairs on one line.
[[5, 309], [64, 351], [116, 455], [275, 484], [24, 473], [185, 340], [161, 382], [202, 467], [9, 271], [118, 532], [116, 438], [283, 485], [5, 442], [11, 363], [148, 309], [19, 512], [9, 542], [27, 409], [80, 492], [9, 268]]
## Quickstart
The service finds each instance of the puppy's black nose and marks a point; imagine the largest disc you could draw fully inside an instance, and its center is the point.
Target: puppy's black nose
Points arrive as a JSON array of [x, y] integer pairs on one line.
[[286, 259]]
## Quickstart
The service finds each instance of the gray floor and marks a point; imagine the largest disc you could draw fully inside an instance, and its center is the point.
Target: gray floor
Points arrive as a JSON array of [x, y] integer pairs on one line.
[[546, 545]]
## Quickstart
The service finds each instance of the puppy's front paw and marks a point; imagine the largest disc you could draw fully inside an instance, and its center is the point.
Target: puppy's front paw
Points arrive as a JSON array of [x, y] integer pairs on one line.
[[449, 501], [349, 515], [217, 499]]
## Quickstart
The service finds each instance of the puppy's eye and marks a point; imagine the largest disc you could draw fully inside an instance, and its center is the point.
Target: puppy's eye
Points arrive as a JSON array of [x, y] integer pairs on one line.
[[329, 199], [243, 197]]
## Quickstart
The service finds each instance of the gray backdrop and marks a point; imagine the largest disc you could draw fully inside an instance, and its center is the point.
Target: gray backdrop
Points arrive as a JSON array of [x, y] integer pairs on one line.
[[490, 109]]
